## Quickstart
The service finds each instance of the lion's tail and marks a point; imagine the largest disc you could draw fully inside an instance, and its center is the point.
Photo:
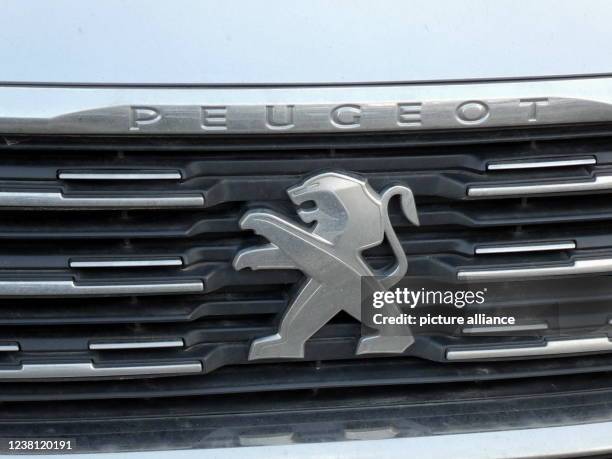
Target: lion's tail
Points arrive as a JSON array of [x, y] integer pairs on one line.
[[399, 269]]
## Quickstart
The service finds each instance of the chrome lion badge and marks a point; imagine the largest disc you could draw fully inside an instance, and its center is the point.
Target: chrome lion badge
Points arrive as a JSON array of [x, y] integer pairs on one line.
[[349, 218]]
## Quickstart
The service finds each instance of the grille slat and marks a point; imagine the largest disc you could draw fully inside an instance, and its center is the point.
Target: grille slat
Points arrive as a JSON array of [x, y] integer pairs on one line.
[[119, 175], [88, 370], [62, 288], [55, 200]]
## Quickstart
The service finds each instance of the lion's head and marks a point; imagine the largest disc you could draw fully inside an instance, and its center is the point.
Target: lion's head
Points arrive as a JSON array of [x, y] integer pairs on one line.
[[345, 209]]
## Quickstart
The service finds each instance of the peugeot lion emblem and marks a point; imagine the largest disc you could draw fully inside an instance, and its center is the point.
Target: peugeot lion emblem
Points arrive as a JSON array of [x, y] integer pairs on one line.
[[350, 217]]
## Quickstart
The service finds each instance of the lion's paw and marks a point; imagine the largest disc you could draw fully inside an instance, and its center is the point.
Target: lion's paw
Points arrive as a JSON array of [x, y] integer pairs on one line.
[[243, 260], [275, 347], [381, 344]]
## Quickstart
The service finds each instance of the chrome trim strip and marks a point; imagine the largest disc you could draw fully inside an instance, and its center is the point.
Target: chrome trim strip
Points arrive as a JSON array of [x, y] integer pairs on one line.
[[533, 247], [113, 346], [548, 348], [58, 200], [9, 347], [269, 110], [537, 164], [89, 370], [599, 183], [266, 440], [148, 263], [380, 433], [119, 175], [69, 288], [504, 328], [602, 265], [579, 440]]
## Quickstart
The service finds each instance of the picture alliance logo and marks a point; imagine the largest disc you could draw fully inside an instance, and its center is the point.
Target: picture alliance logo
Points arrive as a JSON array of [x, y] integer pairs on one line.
[[422, 297]]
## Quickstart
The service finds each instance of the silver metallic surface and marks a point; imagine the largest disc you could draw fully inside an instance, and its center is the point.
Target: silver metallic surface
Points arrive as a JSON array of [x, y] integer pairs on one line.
[[599, 183], [350, 217], [9, 347], [319, 41], [266, 439], [144, 263], [88, 369], [115, 346], [57, 200], [587, 266], [504, 328], [380, 433], [273, 110], [118, 175], [540, 164], [70, 288], [582, 440], [548, 348], [533, 247]]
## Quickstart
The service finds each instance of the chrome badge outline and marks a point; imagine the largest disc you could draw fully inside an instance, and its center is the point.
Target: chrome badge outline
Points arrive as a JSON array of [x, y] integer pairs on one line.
[[349, 218]]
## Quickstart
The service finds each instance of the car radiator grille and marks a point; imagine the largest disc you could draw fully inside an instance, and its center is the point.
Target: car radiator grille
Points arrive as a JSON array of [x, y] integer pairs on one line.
[[116, 277]]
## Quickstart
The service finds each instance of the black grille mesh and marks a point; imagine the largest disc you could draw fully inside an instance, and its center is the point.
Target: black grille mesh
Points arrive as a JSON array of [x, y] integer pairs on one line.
[[234, 175]]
